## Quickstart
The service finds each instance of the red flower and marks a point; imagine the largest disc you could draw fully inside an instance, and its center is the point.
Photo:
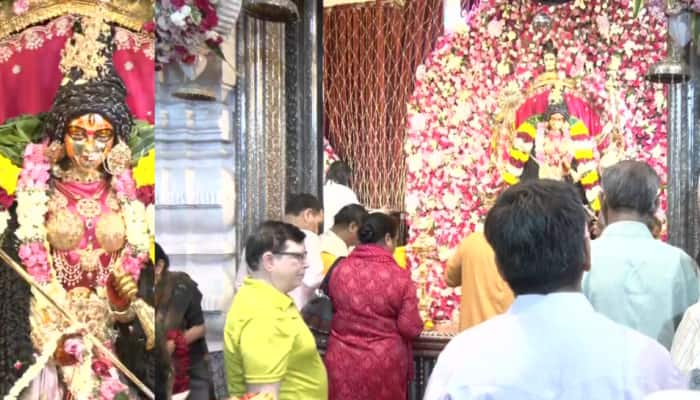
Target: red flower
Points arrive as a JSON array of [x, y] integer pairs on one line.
[[100, 368], [210, 20], [5, 199], [149, 27], [177, 3], [146, 194], [181, 361], [189, 58]]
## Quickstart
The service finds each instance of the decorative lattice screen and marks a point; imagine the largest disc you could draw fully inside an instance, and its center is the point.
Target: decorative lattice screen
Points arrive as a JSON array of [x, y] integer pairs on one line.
[[370, 55]]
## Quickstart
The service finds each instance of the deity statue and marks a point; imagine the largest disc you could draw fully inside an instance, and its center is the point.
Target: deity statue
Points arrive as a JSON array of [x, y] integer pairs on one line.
[[551, 76], [81, 232], [549, 141]]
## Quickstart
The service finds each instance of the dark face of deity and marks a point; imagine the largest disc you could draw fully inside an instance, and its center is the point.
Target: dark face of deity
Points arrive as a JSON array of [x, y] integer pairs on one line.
[[89, 138], [556, 122]]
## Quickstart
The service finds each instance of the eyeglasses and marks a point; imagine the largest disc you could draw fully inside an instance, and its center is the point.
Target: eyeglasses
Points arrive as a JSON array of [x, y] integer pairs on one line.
[[298, 256]]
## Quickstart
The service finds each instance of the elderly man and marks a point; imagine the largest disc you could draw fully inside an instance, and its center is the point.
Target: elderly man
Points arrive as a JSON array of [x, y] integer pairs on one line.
[[550, 344], [267, 346], [636, 280]]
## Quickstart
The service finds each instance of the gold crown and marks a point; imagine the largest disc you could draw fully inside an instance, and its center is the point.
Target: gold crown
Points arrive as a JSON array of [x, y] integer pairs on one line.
[[130, 14], [86, 51]]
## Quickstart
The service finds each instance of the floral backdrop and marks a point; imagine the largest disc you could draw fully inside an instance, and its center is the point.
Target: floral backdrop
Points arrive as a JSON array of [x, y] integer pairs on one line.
[[456, 136]]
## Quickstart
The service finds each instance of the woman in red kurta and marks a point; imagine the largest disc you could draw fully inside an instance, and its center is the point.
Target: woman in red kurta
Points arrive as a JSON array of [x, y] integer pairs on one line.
[[376, 319]]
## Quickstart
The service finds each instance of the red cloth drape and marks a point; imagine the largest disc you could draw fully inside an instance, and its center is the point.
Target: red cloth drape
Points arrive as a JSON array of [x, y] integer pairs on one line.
[[30, 77]]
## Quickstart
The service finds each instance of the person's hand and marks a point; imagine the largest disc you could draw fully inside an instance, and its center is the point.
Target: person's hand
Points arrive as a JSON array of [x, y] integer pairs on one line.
[[171, 346]]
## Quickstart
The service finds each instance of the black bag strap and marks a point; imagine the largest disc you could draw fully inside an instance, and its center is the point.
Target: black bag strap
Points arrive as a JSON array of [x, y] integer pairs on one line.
[[327, 279]]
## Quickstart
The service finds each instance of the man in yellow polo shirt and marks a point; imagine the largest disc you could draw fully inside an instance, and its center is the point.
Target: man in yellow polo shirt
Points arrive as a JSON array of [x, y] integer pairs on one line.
[[267, 345], [337, 241]]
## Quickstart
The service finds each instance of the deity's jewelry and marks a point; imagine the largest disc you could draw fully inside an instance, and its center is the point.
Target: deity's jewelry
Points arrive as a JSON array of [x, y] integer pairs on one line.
[[118, 159], [74, 175], [55, 152]]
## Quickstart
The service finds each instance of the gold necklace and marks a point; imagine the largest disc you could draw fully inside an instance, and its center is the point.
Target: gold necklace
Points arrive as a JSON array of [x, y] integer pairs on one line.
[[73, 175], [89, 206]]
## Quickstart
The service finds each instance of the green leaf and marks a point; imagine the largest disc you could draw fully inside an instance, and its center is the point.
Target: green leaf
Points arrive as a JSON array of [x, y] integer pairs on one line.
[[637, 6], [121, 396], [217, 51], [142, 139]]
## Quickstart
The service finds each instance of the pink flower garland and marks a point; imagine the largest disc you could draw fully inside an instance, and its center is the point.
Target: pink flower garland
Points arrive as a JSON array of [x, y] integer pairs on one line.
[[32, 180]]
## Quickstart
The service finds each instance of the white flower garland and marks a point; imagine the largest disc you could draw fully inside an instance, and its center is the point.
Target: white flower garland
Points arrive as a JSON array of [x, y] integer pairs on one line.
[[32, 372]]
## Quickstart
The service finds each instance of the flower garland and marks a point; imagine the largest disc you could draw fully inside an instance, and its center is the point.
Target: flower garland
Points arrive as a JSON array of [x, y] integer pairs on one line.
[[184, 29], [35, 369], [473, 74], [181, 360]]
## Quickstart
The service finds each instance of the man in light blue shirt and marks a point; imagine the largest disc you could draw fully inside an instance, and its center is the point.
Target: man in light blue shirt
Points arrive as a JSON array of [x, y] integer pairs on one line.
[[550, 344], [636, 280]]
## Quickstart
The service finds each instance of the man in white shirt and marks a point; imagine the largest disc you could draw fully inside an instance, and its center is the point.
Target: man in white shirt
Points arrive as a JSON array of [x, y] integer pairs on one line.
[[636, 280], [305, 211], [686, 344], [550, 344], [336, 192]]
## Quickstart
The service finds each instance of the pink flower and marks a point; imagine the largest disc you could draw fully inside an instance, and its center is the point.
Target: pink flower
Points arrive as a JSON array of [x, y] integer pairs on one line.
[[124, 185], [110, 388], [132, 265], [20, 7], [41, 273], [74, 347], [100, 367], [35, 153]]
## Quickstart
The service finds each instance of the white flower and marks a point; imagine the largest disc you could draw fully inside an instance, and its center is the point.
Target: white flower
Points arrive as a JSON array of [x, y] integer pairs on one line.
[[415, 162], [4, 217], [178, 17], [151, 218], [211, 35], [630, 74], [450, 201], [659, 100]]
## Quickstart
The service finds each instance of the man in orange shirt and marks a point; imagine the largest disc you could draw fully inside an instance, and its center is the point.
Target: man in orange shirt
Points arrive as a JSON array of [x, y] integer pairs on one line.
[[484, 292]]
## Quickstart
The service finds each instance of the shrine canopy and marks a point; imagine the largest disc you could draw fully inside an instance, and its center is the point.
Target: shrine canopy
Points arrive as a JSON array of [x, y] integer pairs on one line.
[[30, 75]]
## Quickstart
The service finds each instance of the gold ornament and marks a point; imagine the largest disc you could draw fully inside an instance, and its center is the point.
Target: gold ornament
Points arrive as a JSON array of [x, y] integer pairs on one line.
[[64, 231], [111, 232], [85, 51], [118, 159], [55, 152], [131, 14]]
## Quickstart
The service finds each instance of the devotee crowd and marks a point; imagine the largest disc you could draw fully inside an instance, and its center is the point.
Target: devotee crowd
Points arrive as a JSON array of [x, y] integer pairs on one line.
[[324, 311]]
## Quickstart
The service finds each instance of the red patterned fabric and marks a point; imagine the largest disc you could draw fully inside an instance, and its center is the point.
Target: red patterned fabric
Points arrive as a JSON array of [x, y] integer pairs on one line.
[[538, 103], [376, 318], [29, 68]]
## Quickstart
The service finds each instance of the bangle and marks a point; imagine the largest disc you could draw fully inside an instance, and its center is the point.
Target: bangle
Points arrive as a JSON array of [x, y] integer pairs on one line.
[[125, 316]]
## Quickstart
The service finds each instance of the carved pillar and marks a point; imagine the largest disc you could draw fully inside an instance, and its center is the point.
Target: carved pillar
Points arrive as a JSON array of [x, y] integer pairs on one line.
[[260, 123], [684, 161], [304, 100], [196, 192]]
